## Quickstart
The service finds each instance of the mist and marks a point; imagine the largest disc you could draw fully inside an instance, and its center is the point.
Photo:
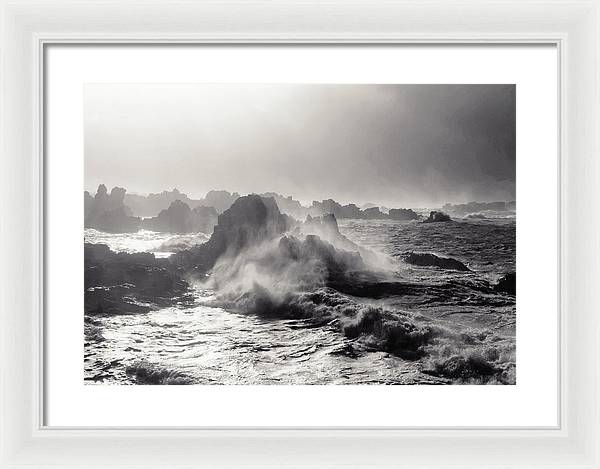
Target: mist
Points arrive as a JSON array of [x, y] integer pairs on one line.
[[392, 145]]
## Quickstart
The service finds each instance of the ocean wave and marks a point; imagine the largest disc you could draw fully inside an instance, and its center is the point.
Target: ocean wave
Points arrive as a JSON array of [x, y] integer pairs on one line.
[[473, 360], [160, 244], [145, 372], [182, 242], [461, 357]]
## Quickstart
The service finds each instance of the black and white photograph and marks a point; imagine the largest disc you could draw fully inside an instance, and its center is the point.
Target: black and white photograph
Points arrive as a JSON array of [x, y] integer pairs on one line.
[[295, 234]]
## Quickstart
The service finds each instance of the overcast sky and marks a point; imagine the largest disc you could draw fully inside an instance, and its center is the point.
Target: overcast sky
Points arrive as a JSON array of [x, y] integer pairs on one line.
[[394, 145]]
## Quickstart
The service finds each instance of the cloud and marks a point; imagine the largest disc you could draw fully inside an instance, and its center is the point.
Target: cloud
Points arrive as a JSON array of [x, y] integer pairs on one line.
[[396, 145]]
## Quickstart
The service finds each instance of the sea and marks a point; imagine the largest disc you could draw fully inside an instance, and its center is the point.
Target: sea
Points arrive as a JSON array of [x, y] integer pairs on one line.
[[210, 344]]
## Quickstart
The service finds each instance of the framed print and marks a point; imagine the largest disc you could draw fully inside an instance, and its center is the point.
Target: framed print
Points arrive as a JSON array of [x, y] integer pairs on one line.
[[309, 288], [259, 234]]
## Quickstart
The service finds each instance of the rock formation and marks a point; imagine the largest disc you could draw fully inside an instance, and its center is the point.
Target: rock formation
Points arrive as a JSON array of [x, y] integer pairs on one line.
[[249, 221], [179, 218], [107, 212], [329, 261], [431, 260], [326, 227], [330, 206], [462, 210], [288, 205], [437, 217], [402, 214], [152, 204], [220, 200], [120, 283]]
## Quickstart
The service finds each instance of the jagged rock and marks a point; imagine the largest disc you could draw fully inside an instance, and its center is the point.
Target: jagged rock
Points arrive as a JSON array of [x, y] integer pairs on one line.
[[250, 220], [507, 283], [431, 260], [373, 213], [436, 217], [179, 218], [129, 283], [403, 214], [152, 204], [288, 205], [330, 206], [108, 213], [326, 228]]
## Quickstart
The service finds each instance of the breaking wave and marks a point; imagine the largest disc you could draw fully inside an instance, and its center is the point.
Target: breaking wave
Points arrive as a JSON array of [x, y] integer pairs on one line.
[[149, 373]]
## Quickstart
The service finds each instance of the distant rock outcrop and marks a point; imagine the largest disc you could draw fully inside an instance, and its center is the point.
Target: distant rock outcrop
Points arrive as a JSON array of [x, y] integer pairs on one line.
[[107, 212], [431, 260], [179, 218], [220, 200], [437, 217], [330, 206], [380, 207], [403, 214], [462, 210], [152, 204], [288, 205]]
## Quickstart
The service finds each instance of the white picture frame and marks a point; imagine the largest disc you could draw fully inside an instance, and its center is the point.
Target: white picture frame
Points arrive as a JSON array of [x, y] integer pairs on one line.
[[27, 27]]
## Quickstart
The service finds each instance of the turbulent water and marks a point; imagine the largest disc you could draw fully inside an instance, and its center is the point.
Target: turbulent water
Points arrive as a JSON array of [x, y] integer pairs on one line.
[[212, 344], [159, 244]]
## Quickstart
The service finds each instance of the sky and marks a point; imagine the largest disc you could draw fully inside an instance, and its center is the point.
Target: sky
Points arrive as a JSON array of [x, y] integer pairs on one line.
[[392, 145]]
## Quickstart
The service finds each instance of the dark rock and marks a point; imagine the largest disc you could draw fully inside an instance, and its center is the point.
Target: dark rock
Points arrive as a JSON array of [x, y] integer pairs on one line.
[[249, 221], [436, 217], [346, 350], [507, 283], [403, 214], [431, 260], [112, 300], [129, 283]]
